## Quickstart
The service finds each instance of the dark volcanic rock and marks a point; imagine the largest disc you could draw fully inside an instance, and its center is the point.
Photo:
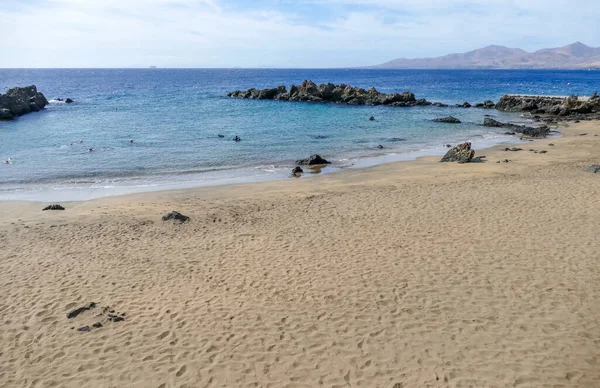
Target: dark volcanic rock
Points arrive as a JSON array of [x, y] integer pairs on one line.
[[84, 328], [53, 207], [79, 310], [572, 106], [312, 160], [340, 94], [175, 216], [20, 101], [594, 168], [6, 114], [449, 119], [69, 101], [463, 105], [537, 132], [462, 153], [487, 104], [97, 325]]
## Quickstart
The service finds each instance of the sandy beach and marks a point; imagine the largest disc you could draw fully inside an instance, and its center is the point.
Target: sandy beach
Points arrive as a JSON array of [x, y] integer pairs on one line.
[[410, 274]]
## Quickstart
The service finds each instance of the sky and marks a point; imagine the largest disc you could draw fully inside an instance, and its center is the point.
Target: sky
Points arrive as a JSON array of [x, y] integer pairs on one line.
[[278, 33]]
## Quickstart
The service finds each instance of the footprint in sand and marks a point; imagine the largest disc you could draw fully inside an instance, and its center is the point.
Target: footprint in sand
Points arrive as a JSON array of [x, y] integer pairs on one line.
[[181, 371]]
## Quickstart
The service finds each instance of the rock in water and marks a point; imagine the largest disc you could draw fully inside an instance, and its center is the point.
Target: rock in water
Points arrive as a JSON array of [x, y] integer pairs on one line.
[[462, 153], [594, 168], [6, 114], [372, 118], [68, 101], [449, 119], [340, 94], [175, 216], [20, 101], [53, 207], [79, 310], [312, 160]]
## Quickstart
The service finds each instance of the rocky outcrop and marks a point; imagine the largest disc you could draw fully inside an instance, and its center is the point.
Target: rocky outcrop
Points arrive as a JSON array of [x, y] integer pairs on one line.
[[462, 153], [449, 119], [175, 216], [553, 105], [53, 207], [487, 104], [19, 101], [312, 161], [535, 132], [463, 105], [339, 94]]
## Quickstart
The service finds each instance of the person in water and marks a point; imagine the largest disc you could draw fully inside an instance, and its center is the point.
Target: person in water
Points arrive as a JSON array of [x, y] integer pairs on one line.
[[91, 150], [130, 141], [8, 161], [237, 138]]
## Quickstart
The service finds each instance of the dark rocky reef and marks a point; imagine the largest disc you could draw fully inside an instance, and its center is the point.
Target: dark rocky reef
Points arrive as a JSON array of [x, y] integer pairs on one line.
[[535, 132], [19, 101], [339, 94], [449, 119], [462, 153], [552, 105]]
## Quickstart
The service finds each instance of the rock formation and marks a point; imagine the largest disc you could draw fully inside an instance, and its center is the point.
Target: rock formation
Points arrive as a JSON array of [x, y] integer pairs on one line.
[[175, 216], [19, 101], [554, 105], [487, 104], [53, 207], [449, 119], [462, 153], [312, 161], [536, 132], [339, 94]]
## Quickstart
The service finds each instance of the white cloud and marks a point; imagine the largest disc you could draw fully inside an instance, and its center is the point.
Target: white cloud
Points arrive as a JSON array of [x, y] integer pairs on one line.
[[219, 33]]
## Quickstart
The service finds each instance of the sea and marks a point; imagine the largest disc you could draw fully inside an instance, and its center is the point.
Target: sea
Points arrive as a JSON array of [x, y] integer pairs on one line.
[[175, 117]]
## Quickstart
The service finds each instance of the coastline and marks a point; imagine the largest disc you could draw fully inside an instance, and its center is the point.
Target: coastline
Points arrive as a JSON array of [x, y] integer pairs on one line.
[[413, 273], [77, 191]]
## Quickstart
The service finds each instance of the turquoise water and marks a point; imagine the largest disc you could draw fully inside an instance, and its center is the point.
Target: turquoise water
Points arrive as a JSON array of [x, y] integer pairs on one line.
[[175, 116]]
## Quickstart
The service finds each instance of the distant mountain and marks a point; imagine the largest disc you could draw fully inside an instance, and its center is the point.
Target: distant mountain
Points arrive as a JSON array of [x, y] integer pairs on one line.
[[573, 56]]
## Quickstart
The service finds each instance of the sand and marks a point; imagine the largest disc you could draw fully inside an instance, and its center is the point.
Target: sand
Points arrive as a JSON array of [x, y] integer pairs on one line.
[[411, 274]]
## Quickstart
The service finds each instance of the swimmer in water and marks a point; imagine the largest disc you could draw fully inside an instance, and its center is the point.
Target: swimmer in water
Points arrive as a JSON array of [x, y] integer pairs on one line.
[[80, 141], [91, 150], [237, 138], [8, 161], [130, 141]]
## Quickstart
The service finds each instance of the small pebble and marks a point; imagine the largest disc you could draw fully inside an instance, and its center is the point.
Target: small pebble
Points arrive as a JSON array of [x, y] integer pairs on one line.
[[97, 325], [551, 144], [84, 328]]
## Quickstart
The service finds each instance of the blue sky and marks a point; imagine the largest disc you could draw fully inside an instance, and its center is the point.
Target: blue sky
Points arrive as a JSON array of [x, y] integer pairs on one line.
[[278, 33]]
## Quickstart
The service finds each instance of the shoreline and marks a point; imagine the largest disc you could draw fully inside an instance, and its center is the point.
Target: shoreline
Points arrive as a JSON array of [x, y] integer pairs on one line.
[[405, 274], [52, 192]]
